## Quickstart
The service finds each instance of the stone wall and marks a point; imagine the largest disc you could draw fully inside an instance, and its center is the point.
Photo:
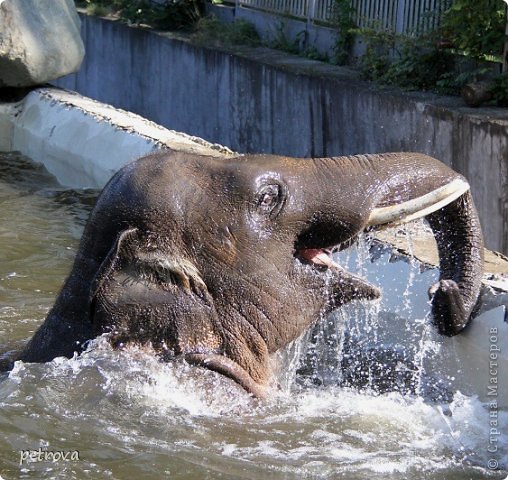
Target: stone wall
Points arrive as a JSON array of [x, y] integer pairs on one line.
[[259, 100]]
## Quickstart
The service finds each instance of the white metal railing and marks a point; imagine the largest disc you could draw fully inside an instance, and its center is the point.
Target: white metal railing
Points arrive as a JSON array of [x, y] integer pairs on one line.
[[400, 16]]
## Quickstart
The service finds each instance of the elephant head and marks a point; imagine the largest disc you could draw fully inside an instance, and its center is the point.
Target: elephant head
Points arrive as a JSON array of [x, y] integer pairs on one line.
[[226, 261]]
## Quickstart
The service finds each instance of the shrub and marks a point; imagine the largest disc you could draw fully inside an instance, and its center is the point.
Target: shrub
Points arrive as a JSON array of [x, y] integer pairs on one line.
[[170, 15], [210, 31]]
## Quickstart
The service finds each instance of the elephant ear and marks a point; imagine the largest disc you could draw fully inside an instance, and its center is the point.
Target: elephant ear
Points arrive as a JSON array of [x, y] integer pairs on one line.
[[148, 295], [172, 271], [107, 267]]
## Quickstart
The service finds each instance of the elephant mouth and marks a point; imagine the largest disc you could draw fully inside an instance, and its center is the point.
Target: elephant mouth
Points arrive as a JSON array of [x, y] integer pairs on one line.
[[387, 215], [384, 214], [348, 285], [319, 257]]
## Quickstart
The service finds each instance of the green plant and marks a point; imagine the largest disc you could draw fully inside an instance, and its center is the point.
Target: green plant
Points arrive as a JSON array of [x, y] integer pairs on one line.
[[98, 10], [172, 15], [98, 7], [500, 90], [342, 18], [475, 27], [452, 81], [210, 30], [419, 64], [375, 61], [427, 61], [134, 12], [281, 40], [313, 53], [177, 14]]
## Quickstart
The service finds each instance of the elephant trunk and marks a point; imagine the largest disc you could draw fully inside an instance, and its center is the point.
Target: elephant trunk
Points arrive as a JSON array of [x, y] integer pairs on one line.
[[399, 187], [458, 235]]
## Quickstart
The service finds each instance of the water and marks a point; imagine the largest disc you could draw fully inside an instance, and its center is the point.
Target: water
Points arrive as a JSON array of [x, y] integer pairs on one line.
[[355, 400]]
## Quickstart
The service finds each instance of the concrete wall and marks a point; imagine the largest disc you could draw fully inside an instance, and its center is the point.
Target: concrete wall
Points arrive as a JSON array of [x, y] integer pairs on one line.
[[257, 100]]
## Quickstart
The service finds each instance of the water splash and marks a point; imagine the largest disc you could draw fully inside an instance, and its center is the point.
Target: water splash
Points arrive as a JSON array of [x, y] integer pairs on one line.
[[192, 420], [381, 346]]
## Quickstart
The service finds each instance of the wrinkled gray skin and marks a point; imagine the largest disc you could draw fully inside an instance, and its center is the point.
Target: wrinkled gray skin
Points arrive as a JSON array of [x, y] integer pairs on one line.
[[220, 260]]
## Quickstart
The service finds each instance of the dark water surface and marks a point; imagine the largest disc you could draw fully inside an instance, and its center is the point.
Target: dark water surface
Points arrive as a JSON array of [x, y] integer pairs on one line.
[[126, 415]]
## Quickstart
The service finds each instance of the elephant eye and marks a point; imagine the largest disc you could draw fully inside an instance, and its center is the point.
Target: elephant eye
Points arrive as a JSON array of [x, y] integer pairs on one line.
[[269, 198]]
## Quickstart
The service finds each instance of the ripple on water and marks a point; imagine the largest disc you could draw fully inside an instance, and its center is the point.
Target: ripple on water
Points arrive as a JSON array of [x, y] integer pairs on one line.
[[40, 226]]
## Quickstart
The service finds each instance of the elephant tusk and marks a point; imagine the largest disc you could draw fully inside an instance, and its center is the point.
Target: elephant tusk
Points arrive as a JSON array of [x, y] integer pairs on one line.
[[420, 206]]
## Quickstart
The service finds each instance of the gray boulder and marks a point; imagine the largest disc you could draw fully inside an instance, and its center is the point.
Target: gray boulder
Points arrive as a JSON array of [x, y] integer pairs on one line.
[[39, 41]]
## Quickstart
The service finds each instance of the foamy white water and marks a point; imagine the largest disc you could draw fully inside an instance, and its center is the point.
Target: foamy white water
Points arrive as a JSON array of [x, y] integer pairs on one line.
[[129, 414]]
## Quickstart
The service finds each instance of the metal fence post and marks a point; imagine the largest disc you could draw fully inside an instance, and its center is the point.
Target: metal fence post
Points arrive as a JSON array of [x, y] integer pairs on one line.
[[311, 6], [399, 21]]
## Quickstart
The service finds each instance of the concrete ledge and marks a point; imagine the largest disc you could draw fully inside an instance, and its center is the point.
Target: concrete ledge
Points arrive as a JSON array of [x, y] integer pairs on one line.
[[83, 142]]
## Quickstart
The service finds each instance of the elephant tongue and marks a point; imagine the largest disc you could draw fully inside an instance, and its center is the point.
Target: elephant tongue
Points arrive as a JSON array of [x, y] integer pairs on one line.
[[317, 256], [353, 286]]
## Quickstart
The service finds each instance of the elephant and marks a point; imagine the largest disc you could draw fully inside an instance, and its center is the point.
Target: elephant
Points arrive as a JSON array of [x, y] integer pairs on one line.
[[225, 261]]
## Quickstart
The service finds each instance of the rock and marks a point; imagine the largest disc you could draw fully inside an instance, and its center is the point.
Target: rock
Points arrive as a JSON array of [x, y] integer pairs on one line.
[[39, 41]]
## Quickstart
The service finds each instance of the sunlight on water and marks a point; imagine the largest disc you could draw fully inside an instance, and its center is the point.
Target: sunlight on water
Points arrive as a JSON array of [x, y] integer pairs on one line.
[[355, 399]]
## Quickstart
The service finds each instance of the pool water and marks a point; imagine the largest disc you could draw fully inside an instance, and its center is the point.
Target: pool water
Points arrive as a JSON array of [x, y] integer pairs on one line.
[[348, 407]]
